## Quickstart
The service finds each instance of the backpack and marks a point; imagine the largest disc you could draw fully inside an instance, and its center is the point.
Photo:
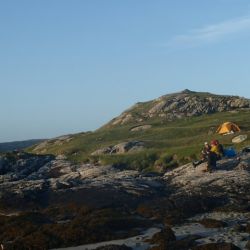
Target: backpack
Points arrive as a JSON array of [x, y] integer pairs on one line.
[[230, 152]]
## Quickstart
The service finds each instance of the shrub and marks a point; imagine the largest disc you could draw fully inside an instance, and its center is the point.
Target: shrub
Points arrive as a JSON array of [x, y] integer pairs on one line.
[[166, 161], [138, 161]]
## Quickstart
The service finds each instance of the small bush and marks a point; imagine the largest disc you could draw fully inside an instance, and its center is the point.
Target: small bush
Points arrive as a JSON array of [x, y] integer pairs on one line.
[[165, 162], [138, 161]]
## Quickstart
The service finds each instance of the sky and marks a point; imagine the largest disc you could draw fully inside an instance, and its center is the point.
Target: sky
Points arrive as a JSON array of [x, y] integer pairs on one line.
[[68, 66]]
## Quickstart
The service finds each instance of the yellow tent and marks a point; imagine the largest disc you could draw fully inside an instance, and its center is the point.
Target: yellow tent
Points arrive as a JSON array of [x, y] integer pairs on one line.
[[227, 128]]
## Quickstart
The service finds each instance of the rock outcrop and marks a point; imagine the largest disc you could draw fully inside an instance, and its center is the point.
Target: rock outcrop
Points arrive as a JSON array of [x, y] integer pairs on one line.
[[26, 177], [32, 183], [228, 183], [121, 148], [58, 141], [23, 174], [141, 128]]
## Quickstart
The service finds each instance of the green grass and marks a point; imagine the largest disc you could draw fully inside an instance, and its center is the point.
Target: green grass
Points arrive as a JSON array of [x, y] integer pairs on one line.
[[182, 138], [139, 160]]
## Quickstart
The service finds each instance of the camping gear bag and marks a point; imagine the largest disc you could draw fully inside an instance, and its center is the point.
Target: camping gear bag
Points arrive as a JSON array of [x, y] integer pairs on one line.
[[229, 152]]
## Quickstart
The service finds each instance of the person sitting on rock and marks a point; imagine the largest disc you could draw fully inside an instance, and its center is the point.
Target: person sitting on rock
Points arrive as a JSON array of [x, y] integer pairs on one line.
[[211, 161], [209, 156], [204, 154], [216, 152], [217, 148]]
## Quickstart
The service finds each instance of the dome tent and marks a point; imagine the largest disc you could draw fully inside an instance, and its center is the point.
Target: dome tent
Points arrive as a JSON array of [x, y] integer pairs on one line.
[[227, 128]]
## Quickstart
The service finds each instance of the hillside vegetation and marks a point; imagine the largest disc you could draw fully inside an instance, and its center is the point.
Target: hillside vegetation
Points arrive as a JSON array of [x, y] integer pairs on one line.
[[170, 134]]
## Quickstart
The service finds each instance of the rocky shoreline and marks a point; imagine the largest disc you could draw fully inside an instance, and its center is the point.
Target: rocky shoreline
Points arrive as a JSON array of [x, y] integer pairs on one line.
[[68, 205]]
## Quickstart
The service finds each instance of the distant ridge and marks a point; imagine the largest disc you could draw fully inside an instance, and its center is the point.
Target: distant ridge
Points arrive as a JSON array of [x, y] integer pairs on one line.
[[18, 145]]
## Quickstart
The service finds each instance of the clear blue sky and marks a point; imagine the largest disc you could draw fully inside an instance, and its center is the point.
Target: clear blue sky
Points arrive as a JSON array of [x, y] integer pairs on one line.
[[71, 65]]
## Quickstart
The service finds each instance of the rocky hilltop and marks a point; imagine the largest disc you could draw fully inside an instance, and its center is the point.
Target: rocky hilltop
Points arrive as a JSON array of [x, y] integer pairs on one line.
[[179, 105]]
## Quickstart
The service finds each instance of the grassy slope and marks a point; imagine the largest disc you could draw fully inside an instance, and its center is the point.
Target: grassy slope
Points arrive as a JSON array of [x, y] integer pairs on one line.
[[183, 138]]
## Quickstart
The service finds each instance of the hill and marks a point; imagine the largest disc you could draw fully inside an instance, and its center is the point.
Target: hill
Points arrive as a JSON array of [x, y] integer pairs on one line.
[[164, 132]]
